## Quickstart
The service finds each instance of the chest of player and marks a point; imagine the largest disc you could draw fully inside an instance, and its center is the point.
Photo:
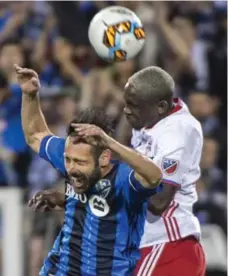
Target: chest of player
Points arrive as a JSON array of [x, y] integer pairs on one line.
[[98, 202], [146, 143]]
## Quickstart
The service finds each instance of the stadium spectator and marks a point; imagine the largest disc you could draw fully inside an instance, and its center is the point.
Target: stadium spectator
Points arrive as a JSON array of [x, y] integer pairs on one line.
[[12, 134], [40, 34]]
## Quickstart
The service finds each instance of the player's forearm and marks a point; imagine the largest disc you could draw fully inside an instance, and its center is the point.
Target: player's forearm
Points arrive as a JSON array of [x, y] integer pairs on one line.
[[33, 121], [60, 205], [141, 164]]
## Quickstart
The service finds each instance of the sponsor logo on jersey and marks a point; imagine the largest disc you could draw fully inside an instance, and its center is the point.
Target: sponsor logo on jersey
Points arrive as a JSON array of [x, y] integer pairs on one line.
[[169, 166], [71, 193]]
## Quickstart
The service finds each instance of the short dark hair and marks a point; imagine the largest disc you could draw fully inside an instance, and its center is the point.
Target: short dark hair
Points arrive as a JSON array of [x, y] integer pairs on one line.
[[95, 116], [153, 83]]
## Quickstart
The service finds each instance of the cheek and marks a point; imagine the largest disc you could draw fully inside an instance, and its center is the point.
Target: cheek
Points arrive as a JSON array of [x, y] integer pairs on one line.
[[87, 170], [67, 166], [136, 113]]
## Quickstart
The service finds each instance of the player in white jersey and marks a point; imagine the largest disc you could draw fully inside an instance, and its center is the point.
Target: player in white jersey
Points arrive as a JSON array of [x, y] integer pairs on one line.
[[164, 130]]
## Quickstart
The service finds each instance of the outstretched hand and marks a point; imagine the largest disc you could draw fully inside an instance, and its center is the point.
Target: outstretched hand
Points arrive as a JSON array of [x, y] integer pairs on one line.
[[46, 200], [28, 80]]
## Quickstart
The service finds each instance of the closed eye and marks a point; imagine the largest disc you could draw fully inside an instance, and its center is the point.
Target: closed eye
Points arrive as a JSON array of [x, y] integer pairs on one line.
[[81, 163], [67, 159]]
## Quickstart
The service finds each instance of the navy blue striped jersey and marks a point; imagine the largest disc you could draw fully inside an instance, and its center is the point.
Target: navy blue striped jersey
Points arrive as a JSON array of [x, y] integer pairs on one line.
[[102, 229]]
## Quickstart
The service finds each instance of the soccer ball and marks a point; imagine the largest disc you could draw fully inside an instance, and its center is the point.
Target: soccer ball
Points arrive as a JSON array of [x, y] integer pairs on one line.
[[116, 34]]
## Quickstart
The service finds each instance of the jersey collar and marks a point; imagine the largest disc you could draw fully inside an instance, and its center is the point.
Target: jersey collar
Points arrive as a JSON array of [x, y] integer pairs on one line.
[[177, 105]]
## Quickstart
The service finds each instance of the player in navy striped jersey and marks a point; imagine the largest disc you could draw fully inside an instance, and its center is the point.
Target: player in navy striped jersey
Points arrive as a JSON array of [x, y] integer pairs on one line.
[[105, 202]]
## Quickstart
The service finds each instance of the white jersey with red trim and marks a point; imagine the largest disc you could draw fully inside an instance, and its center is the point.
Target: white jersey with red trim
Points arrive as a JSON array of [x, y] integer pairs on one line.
[[175, 144]]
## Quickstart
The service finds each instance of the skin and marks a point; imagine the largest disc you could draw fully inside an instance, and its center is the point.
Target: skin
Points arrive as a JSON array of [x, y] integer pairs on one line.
[[141, 113], [83, 168], [81, 164]]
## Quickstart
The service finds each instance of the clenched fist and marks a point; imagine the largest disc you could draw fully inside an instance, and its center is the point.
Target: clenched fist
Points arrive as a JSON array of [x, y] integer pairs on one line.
[[28, 80]]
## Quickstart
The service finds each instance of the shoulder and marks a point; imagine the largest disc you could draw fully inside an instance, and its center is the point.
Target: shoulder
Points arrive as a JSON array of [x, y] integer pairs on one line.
[[123, 171], [181, 124]]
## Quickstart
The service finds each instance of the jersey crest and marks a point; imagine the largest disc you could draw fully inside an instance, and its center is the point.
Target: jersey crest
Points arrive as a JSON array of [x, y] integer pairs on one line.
[[103, 187], [169, 166]]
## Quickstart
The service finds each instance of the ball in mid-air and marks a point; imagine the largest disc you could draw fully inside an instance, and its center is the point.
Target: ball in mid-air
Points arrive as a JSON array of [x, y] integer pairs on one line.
[[116, 34]]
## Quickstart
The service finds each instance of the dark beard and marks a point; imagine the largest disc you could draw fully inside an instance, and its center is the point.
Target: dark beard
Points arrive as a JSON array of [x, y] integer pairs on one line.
[[95, 176], [88, 180]]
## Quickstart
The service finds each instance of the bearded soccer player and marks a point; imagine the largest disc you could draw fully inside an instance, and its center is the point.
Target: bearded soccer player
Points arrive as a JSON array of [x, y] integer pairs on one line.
[[105, 203], [165, 131]]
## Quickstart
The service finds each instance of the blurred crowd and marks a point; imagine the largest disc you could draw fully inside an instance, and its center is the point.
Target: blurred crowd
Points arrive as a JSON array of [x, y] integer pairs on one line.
[[187, 39]]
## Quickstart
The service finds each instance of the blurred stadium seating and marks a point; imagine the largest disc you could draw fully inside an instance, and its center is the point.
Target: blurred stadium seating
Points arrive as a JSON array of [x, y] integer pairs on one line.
[[188, 39]]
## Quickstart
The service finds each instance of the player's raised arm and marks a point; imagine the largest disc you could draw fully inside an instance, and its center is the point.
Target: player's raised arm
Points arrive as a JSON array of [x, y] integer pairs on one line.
[[145, 171], [33, 121]]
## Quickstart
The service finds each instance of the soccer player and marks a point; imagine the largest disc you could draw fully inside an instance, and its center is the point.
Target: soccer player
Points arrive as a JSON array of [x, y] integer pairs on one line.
[[165, 131], [105, 202]]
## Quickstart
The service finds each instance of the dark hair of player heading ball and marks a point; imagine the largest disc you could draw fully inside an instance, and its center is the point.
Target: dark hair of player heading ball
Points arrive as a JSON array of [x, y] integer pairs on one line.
[[94, 116]]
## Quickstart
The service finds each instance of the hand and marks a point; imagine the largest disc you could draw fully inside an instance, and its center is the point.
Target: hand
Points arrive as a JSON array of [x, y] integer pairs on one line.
[[46, 200], [28, 80], [87, 131]]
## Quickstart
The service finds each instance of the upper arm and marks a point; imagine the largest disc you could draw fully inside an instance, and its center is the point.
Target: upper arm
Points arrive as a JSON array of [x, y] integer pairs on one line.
[[52, 150], [175, 156], [35, 142], [178, 154], [170, 157]]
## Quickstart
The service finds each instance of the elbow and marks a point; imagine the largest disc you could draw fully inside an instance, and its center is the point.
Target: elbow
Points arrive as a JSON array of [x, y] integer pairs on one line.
[[156, 178], [156, 211], [158, 208]]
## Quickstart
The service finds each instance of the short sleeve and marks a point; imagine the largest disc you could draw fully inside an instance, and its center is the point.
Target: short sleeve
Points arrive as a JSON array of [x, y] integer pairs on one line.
[[15, 90], [133, 190], [52, 150], [174, 155]]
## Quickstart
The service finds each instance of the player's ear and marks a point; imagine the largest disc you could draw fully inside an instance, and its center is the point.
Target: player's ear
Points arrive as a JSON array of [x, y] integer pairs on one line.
[[162, 107], [105, 158]]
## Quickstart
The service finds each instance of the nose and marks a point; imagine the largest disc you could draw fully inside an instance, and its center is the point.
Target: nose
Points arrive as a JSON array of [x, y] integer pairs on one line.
[[70, 170]]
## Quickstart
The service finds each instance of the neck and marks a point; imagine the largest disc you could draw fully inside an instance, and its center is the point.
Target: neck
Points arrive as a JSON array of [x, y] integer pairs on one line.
[[151, 123]]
